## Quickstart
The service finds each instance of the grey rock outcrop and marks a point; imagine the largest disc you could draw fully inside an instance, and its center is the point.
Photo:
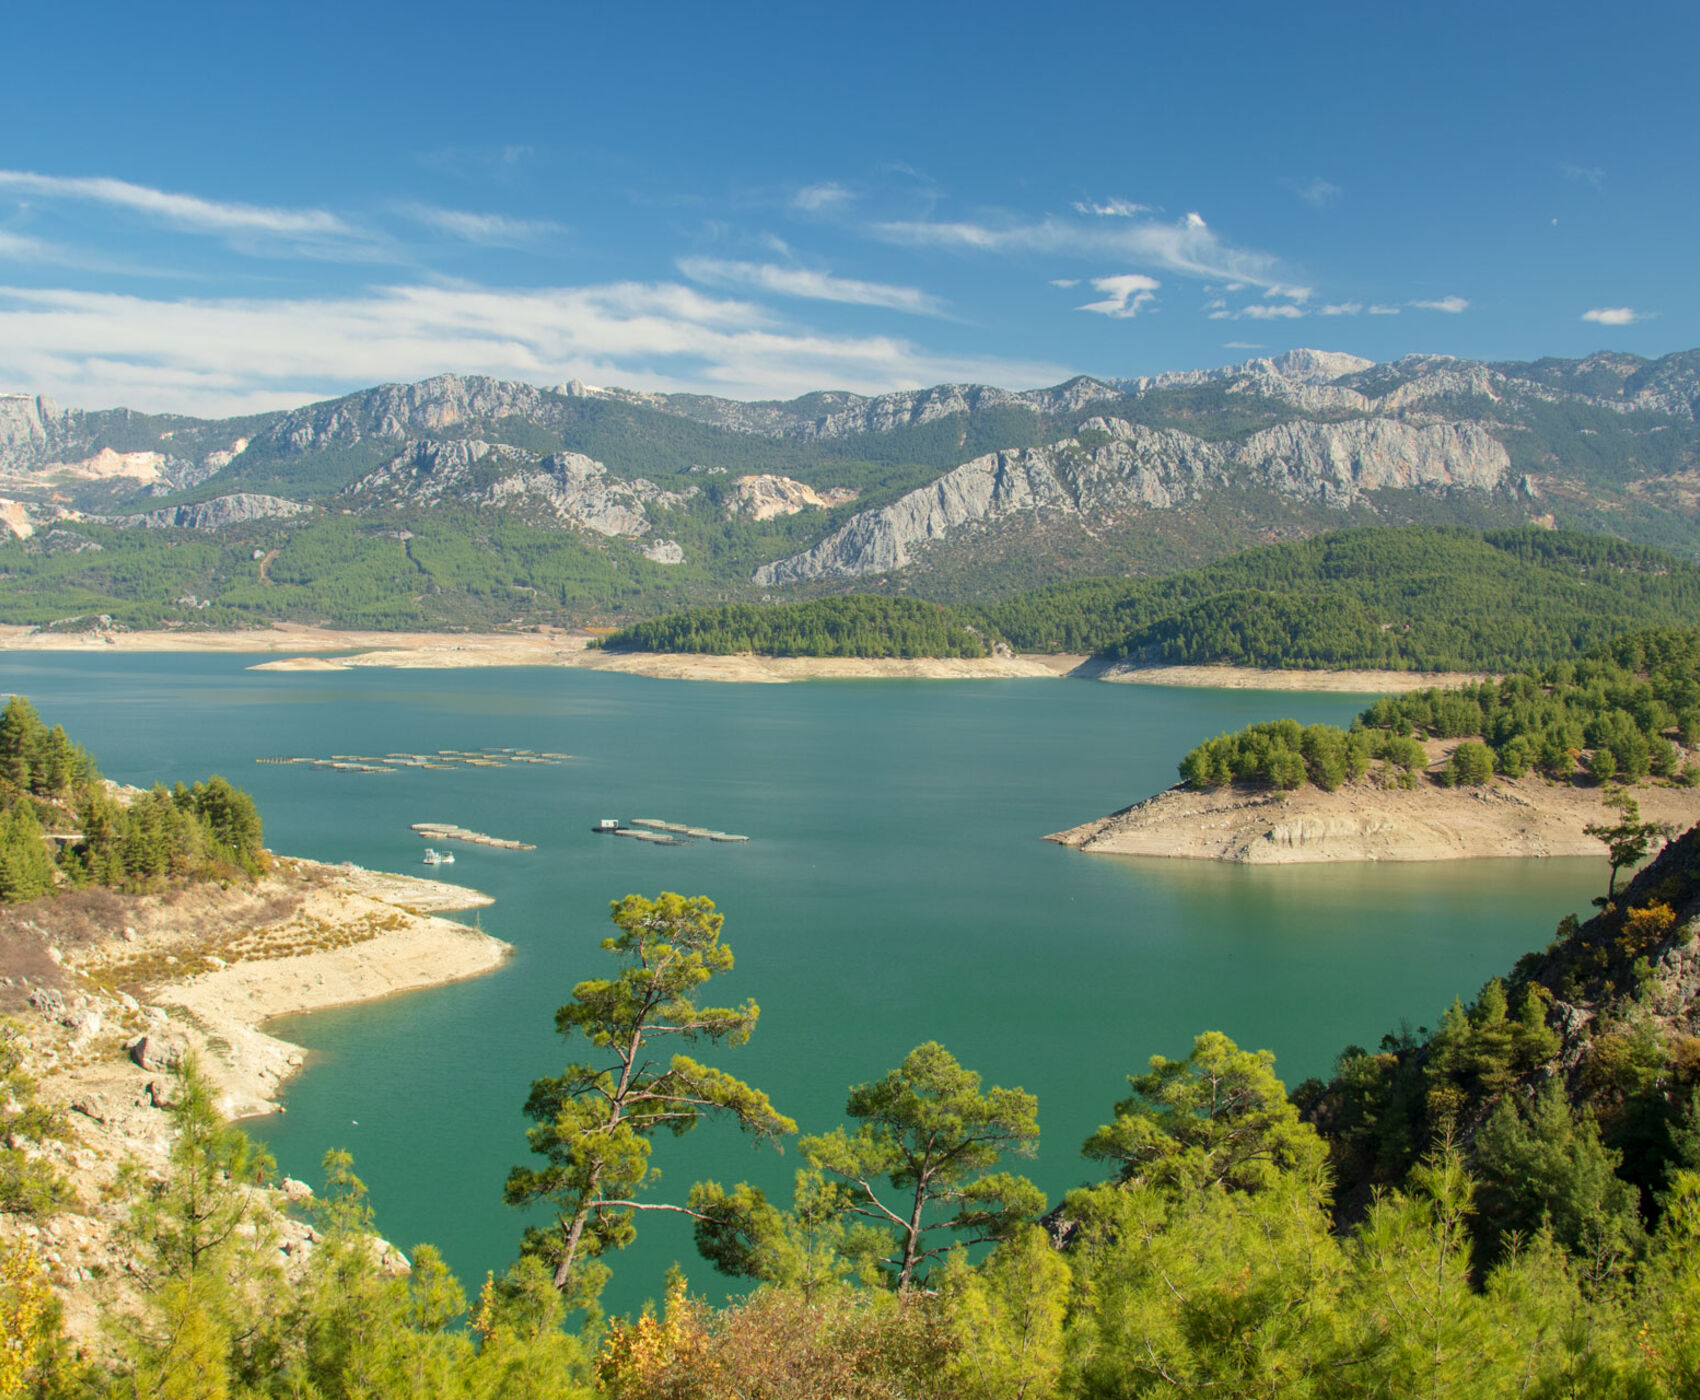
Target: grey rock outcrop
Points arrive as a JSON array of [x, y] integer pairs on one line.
[[1337, 462], [1139, 467], [1143, 468], [834, 414], [664, 552], [156, 1052], [29, 425], [403, 411], [764, 496], [1288, 368], [40, 439], [574, 489], [216, 514]]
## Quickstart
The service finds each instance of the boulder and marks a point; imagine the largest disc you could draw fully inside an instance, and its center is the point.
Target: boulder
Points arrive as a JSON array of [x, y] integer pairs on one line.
[[156, 1052]]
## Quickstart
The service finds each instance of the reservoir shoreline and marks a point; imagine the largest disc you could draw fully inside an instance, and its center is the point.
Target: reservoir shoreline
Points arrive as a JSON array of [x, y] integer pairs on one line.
[[1520, 818], [296, 647]]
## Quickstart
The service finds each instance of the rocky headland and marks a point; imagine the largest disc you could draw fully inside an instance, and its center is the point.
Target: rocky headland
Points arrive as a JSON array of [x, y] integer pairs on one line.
[[112, 992], [1363, 821]]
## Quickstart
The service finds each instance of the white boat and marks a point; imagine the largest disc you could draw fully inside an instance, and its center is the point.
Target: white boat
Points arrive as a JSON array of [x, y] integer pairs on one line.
[[433, 857]]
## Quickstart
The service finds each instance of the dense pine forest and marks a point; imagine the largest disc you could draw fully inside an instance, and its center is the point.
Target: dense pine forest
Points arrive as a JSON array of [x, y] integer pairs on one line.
[[60, 825], [861, 625], [1398, 599], [1619, 712], [1381, 598]]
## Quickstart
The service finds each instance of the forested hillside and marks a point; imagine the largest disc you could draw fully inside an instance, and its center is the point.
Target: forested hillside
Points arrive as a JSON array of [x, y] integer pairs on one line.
[[860, 625], [61, 826], [1396, 599], [1623, 712]]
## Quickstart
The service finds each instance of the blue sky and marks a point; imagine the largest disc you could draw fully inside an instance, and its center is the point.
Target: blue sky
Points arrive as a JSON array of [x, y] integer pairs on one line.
[[221, 208]]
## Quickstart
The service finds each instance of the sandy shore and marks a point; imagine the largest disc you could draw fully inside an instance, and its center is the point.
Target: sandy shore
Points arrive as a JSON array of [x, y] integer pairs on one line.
[[1364, 822], [301, 648], [1251, 678], [211, 966]]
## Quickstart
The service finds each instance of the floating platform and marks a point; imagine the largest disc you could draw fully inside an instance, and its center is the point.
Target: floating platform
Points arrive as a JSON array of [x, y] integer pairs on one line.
[[445, 831], [442, 760], [665, 832]]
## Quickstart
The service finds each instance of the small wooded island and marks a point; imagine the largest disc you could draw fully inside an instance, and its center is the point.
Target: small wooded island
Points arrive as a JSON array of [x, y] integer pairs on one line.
[[1516, 767]]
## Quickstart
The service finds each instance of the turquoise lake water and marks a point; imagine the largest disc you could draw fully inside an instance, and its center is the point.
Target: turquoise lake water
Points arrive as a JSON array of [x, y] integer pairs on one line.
[[894, 891]]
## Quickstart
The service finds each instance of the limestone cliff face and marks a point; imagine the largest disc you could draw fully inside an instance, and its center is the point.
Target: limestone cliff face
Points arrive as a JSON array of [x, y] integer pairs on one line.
[[765, 496], [26, 424], [1337, 462], [216, 514], [1147, 469], [43, 445], [576, 490], [404, 411]]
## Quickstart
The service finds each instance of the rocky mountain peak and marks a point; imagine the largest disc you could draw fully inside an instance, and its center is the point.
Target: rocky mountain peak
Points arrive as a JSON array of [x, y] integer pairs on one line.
[[1309, 366]]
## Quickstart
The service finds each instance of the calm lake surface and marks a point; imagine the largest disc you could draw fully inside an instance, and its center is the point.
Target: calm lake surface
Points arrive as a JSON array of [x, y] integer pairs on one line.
[[894, 891]]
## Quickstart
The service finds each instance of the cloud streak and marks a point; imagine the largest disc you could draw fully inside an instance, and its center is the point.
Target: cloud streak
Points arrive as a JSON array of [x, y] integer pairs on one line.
[[227, 355], [1452, 306], [810, 285], [184, 211], [816, 199], [1188, 247], [488, 230], [1111, 208], [1316, 192]]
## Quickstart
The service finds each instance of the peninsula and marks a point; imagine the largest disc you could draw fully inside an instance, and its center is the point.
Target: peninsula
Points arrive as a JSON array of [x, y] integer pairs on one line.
[[1527, 816], [1514, 767]]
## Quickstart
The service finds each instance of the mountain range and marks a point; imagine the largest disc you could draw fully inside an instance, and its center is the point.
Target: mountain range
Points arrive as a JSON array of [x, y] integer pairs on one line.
[[462, 499]]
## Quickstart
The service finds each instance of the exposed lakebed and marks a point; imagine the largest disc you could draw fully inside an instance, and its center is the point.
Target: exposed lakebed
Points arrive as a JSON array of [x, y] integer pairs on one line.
[[894, 890]]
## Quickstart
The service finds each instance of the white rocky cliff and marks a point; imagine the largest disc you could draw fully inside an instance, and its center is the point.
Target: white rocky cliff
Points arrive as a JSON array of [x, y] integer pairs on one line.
[[1140, 468], [569, 487]]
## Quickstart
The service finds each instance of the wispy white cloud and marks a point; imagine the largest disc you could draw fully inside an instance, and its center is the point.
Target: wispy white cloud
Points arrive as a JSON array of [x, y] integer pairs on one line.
[[17, 247], [1188, 247], [1281, 289], [1111, 208], [1588, 174], [813, 199], [1124, 297], [226, 355], [1452, 306], [185, 211], [499, 163], [1065, 282], [1341, 308], [1615, 315], [1272, 311], [807, 283], [1242, 345], [1379, 310], [1315, 191], [491, 230]]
